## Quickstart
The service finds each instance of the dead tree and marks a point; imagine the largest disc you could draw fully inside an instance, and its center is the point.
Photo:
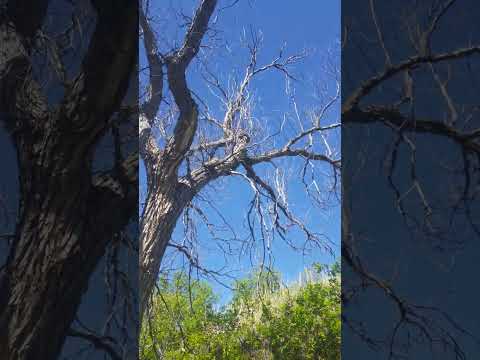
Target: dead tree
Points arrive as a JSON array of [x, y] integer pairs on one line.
[[192, 149]]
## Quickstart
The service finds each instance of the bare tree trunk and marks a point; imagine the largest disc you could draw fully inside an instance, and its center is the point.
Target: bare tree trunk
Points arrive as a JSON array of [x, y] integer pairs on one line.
[[43, 290], [60, 239], [167, 195], [162, 210]]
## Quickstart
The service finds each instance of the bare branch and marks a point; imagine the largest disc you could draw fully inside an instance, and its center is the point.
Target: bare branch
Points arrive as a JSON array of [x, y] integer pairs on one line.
[[368, 86], [155, 63], [391, 116], [99, 342], [293, 153], [177, 64]]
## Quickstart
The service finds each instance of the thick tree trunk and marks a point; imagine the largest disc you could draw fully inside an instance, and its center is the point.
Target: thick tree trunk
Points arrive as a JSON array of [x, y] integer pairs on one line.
[[168, 195], [164, 206], [42, 300], [52, 251], [62, 234]]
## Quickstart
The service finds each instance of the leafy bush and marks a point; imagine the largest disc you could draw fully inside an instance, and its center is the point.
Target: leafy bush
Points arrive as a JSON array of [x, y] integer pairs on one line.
[[263, 321]]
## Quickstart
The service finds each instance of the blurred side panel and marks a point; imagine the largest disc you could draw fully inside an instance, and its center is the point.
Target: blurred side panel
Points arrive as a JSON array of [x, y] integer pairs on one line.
[[410, 162], [69, 179]]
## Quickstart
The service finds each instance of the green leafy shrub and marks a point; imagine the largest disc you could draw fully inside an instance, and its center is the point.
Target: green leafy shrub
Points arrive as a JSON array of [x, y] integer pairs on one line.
[[263, 321]]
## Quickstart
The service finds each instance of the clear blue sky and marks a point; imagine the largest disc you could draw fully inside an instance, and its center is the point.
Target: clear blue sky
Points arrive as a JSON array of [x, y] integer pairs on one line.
[[310, 24]]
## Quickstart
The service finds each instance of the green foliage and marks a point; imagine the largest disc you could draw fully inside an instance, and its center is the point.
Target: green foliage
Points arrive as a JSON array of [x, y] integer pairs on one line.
[[263, 320]]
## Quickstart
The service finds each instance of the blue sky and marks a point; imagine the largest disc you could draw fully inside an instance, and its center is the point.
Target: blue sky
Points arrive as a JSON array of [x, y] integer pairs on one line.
[[311, 25]]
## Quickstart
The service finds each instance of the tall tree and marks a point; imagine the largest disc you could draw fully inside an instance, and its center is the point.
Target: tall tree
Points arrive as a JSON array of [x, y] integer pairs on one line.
[[195, 148]]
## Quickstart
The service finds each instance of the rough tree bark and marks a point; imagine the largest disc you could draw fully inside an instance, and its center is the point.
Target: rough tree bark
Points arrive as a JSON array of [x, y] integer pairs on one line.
[[65, 218]]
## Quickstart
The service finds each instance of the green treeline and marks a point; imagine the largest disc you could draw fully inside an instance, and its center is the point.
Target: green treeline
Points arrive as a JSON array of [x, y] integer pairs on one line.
[[263, 320]]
